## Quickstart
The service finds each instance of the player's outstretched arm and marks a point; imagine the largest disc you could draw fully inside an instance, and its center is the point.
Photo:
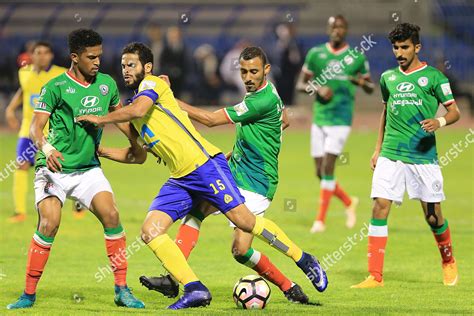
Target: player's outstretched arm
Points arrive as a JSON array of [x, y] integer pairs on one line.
[[125, 128], [378, 145], [137, 109], [15, 102], [127, 155], [207, 118], [36, 134], [452, 116], [135, 154]]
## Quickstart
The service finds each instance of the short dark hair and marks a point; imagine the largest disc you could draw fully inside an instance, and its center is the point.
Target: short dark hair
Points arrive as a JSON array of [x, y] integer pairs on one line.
[[404, 31], [43, 44], [340, 17], [252, 52], [79, 39], [144, 52]]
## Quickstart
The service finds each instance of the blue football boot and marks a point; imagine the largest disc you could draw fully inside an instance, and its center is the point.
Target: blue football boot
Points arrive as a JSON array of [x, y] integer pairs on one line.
[[25, 301], [313, 270], [125, 298], [195, 295]]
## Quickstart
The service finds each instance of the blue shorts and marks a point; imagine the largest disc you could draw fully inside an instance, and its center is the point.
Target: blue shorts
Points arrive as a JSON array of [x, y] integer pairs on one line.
[[25, 151], [211, 182]]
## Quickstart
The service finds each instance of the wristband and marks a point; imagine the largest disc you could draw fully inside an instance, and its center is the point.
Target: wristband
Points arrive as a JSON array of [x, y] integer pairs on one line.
[[47, 149], [442, 121]]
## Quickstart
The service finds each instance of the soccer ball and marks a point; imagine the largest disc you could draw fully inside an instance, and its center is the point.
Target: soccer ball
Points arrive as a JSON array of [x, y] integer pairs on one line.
[[251, 292]]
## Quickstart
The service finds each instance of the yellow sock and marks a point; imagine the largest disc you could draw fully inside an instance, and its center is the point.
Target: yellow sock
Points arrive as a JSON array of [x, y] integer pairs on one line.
[[172, 259], [20, 189], [269, 232]]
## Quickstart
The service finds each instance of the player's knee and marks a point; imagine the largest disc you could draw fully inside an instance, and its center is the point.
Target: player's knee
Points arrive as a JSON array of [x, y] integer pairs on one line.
[[150, 231]]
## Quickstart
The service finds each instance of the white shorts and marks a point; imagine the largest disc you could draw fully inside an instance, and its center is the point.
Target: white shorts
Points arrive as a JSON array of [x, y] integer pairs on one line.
[[81, 186], [328, 139], [256, 203], [422, 181]]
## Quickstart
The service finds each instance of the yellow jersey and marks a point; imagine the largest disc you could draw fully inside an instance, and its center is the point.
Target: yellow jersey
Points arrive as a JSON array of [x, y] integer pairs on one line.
[[168, 132], [31, 83]]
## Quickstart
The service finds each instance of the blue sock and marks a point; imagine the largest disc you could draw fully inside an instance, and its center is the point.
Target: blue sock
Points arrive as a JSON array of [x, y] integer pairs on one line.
[[195, 286], [118, 288], [31, 297]]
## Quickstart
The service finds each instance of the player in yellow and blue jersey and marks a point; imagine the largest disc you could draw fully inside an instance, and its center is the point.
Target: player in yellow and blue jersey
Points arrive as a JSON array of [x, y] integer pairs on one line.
[[32, 77], [199, 172]]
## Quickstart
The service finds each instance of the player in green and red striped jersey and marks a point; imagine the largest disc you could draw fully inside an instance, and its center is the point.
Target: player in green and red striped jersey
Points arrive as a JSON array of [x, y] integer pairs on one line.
[[68, 165], [334, 70], [405, 156]]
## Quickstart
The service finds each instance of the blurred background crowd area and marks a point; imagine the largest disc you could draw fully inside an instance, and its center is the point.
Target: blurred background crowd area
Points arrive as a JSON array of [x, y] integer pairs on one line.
[[197, 43]]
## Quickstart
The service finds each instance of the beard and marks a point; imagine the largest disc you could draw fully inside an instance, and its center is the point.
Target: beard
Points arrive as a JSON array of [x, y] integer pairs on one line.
[[136, 83], [256, 85]]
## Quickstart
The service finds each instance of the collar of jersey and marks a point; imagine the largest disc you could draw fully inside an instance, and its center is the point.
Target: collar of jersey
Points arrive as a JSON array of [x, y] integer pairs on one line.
[[423, 66], [79, 82], [260, 89], [337, 51]]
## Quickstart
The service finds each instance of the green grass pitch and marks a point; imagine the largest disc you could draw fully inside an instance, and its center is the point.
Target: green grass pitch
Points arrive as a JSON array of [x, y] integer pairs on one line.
[[413, 276]]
